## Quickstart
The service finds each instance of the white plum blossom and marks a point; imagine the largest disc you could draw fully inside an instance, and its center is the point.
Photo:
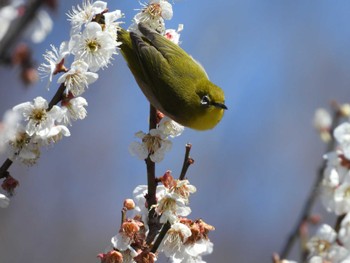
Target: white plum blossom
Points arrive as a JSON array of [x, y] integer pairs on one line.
[[183, 189], [80, 16], [74, 110], [78, 78], [322, 119], [40, 120], [322, 123], [194, 252], [8, 128], [342, 197], [344, 231], [4, 201], [54, 58], [111, 23], [323, 244], [333, 177], [170, 128], [23, 147], [140, 200], [342, 135], [94, 46], [154, 144], [171, 206], [153, 14], [55, 134], [174, 240]]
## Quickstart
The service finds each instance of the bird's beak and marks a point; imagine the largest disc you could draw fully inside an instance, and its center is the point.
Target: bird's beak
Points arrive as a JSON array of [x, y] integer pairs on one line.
[[219, 105]]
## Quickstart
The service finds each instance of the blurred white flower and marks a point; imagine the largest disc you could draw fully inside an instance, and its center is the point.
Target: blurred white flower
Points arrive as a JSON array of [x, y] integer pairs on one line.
[[322, 123], [342, 197], [323, 244], [40, 27], [342, 135], [77, 78], [23, 148], [94, 46], [8, 128], [7, 15], [4, 201], [344, 231]]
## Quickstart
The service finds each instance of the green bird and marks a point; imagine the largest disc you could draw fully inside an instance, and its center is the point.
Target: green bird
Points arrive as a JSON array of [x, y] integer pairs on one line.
[[173, 82]]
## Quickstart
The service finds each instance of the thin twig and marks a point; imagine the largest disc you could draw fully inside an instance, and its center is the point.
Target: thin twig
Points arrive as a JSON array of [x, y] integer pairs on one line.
[[160, 237], [305, 214], [187, 162]]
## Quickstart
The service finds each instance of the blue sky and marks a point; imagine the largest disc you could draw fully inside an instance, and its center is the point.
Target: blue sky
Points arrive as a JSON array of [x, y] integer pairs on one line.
[[277, 61]]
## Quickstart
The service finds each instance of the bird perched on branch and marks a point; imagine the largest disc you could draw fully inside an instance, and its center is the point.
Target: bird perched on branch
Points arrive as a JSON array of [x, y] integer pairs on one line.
[[172, 80]]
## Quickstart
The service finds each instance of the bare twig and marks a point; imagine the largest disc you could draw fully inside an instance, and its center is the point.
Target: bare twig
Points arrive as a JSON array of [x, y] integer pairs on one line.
[[187, 162], [160, 237]]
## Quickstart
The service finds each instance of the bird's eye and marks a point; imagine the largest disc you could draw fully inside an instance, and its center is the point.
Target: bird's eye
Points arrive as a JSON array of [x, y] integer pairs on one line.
[[205, 100]]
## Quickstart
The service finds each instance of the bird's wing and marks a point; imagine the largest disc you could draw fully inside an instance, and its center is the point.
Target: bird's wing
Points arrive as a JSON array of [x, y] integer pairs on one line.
[[180, 62]]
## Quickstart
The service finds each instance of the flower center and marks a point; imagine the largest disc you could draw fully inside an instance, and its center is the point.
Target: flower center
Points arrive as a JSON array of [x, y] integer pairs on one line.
[[93, 45], [38, 115], [153, 143], [154, 10], [322, 246]]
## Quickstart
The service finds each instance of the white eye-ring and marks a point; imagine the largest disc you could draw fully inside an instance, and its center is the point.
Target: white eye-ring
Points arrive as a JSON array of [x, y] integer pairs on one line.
[[205, 100]]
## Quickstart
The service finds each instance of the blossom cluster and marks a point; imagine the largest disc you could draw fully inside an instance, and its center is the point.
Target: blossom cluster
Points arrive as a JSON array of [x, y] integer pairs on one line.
[[92, 46], [31, 125], [93, 41], [185, 241]]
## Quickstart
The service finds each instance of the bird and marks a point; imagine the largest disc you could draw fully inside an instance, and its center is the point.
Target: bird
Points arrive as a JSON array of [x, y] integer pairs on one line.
[[172, 81]]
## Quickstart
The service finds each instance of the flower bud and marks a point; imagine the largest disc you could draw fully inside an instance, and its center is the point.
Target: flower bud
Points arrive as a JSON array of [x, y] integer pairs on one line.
[[129, 204]]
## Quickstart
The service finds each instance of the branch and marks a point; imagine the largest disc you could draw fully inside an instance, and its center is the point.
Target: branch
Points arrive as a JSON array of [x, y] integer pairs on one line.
[[153, 219], [306, 211], [187, 162], [56, 99], [160, 237]]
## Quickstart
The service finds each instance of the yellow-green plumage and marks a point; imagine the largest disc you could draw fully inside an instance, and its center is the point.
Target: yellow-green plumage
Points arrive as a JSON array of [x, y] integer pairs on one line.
[[172, 81]]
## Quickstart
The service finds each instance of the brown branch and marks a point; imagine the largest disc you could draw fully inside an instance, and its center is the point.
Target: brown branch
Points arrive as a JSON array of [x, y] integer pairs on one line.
[[187, 162], [153, 219], [3, 169], [160, 237], [306, 211]]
